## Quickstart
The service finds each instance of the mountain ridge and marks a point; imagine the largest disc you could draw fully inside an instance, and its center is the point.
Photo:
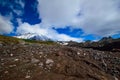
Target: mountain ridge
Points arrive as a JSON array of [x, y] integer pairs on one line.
[[33, 36]]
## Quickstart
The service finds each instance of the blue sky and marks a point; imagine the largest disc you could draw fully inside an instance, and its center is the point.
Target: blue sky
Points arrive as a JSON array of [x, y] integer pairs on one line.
[[76, 20]]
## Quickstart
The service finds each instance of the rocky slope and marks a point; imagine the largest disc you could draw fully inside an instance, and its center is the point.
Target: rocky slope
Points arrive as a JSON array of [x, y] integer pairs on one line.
[[20, 60]]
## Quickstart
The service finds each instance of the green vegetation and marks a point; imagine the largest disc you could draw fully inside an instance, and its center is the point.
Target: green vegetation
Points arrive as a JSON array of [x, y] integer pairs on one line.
[[7, 39], [40, 42]]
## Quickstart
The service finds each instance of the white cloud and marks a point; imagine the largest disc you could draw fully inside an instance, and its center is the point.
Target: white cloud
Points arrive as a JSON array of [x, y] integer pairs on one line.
[[99, 17], [16, 6], [5, 25], [58, 12], [64, 37], [49, 32], [21, 3], [27, 28], [20, 10]]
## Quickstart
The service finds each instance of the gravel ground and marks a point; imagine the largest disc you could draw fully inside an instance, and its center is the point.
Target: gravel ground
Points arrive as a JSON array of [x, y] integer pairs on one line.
[[55, 62]]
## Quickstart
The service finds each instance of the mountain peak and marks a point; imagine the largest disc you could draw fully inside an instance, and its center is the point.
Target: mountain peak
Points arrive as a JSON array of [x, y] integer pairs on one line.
[[33, 36]]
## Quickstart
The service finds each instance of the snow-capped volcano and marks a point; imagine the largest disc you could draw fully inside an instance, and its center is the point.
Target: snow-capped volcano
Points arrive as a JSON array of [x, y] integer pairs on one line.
[[33, 36]]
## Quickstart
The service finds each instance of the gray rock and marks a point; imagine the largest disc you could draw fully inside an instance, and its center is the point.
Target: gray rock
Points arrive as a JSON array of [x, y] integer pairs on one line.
[[34, 60], [1, 44], [49, 63], [41, 64]]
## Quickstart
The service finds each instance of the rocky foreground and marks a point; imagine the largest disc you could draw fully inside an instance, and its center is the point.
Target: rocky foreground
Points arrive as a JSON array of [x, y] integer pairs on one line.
[[33, 61]]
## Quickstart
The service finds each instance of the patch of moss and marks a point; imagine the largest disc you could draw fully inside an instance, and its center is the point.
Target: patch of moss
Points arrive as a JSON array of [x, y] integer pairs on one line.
[[40, 42]]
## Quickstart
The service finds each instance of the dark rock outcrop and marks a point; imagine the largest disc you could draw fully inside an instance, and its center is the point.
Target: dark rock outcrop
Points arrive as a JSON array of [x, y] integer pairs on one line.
[[105, 44]]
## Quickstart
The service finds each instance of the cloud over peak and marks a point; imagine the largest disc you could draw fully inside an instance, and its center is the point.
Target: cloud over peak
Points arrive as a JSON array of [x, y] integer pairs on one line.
[[49, 32]]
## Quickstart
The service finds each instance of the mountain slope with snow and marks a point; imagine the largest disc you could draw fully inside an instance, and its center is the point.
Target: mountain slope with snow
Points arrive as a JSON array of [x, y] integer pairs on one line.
[[33, 36]]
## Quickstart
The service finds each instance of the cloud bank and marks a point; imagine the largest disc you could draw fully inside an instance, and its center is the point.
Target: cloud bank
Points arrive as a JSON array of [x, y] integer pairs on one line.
[[94, 17]]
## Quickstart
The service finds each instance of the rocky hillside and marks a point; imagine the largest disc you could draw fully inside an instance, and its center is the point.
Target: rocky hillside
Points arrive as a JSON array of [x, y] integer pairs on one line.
[[105, 44], [31, 60]]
